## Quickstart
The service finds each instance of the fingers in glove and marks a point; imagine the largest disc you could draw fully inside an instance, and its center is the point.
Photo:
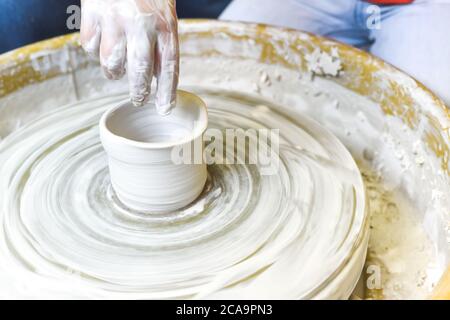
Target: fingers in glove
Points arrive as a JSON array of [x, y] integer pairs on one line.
[[167, 71], [140, 56], [113, 50], [90, 33]]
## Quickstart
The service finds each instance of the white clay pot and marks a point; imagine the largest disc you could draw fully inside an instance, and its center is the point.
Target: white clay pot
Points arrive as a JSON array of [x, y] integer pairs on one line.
[[140, 143]]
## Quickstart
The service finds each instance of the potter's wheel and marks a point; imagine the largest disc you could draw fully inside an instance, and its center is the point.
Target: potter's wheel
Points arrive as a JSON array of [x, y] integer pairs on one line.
[[299, 234]]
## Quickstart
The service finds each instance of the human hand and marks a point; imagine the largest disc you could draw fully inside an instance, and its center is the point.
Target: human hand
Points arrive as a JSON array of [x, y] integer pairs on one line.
[[140, 33]]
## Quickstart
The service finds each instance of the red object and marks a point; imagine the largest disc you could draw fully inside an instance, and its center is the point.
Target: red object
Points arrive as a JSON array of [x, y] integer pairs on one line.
[[390, 1]]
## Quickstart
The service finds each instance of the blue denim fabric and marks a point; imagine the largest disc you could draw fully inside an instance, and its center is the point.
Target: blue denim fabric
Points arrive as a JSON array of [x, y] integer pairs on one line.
[[412, 37]]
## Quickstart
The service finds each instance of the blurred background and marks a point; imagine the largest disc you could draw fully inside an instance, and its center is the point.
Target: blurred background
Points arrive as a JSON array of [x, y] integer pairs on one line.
[[26, 21]]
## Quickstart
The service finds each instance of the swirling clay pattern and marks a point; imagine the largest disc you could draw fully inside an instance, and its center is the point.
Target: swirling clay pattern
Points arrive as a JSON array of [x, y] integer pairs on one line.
[[301, 233]]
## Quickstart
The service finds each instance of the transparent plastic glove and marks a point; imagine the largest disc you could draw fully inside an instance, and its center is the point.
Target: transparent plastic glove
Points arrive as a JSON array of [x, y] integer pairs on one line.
[[141, 34]]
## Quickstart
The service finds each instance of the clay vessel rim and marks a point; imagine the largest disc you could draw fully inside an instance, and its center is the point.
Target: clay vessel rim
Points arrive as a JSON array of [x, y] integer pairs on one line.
[[198, 131]]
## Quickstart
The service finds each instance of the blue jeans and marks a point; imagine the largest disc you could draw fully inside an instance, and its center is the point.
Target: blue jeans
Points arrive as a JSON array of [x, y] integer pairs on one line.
[[412, 37]]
